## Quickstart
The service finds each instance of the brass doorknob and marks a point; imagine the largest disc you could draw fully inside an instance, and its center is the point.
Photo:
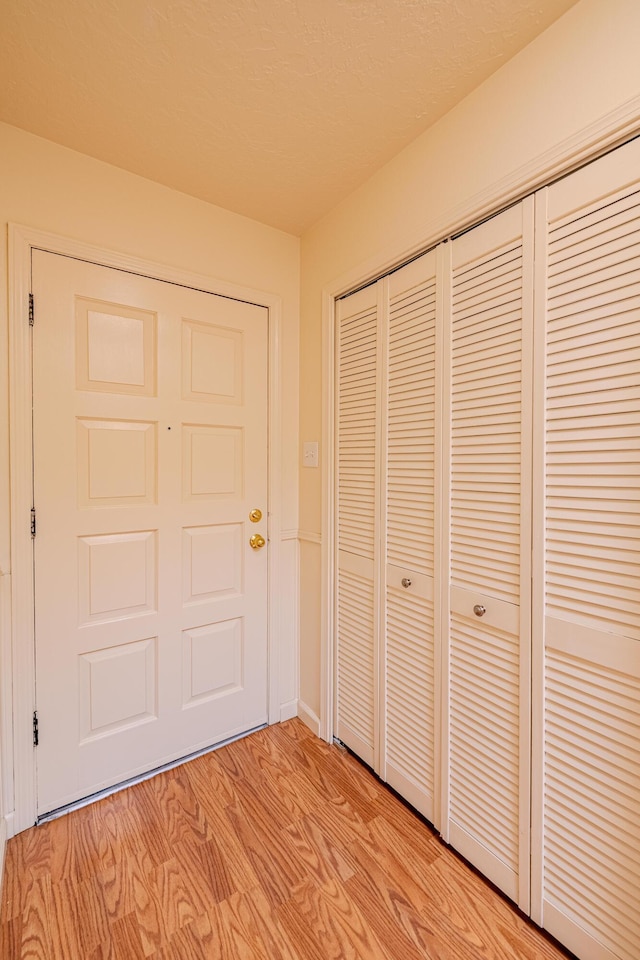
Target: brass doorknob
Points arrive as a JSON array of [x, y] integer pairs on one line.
[[255, 515], [257, 541]]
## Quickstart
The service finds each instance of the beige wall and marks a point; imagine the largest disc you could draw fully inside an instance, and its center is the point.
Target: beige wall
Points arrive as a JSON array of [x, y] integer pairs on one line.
[[48, 187], [583, 67]]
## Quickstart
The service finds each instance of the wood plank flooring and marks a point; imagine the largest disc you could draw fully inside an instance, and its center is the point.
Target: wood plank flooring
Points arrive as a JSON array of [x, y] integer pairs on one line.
[[276, 847]]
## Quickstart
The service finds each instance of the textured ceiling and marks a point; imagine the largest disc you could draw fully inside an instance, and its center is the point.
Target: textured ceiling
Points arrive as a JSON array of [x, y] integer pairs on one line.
[[275, 109]]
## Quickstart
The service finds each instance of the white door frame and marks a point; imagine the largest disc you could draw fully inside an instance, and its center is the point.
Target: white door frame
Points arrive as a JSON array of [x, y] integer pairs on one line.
[[606, 133], [17, 663]]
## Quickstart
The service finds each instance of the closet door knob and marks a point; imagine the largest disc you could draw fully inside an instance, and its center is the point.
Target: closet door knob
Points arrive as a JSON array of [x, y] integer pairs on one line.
[[479, 610], [406, 581]]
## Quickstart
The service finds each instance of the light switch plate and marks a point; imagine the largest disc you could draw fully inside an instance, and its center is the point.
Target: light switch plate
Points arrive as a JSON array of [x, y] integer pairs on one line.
[[310, 453]]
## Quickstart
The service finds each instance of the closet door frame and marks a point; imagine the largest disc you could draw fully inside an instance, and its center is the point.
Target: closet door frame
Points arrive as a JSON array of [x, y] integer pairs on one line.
[[596, 138]]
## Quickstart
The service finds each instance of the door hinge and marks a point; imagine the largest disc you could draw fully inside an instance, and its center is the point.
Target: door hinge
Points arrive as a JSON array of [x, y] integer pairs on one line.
[[30, 309], [36, 736], [33, 523]]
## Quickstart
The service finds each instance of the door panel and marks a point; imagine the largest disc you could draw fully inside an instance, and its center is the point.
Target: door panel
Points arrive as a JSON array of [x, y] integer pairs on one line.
[[408, 742], [385, 590], [486, 776], [149, 452], [587, 865], [357, 509]]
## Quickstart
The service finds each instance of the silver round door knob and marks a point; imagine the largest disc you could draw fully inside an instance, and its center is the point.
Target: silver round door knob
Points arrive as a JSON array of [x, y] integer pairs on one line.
[[479, 610], [406, 581]]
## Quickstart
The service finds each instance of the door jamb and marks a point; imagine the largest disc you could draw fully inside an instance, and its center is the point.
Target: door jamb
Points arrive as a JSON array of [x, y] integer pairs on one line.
[[17, 686]]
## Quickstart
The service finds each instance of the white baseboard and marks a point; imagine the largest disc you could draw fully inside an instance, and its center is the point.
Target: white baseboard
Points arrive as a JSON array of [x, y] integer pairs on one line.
[[308, 717], [3, 847], [288, 710]]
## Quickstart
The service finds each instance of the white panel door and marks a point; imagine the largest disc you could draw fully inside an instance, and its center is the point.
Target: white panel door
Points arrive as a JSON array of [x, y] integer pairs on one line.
[[357, 510], [150, 450], [587, 695], [407, 641], [486, 678]]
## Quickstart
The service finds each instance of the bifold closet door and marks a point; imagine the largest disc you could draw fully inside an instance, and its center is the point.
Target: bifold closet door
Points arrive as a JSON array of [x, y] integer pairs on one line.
[[486, 755], [586, 864], [358, 514], [386, 371], [407, 637]]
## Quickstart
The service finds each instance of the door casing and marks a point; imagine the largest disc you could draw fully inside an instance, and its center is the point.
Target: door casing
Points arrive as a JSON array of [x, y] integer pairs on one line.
[[17, 660]]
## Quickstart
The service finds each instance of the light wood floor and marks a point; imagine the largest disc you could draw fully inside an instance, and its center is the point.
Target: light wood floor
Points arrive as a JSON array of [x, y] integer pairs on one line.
[[276, 847]]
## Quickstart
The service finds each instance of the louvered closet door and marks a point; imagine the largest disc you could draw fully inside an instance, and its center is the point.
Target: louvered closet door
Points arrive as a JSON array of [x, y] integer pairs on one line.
[[486, 677], [408, 637], [357, 509], [587, 850]]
